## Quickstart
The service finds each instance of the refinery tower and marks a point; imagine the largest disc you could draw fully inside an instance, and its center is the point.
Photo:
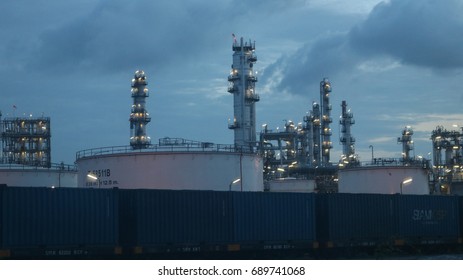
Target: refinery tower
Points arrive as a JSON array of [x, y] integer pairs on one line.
[[242, 84], [139, 117]]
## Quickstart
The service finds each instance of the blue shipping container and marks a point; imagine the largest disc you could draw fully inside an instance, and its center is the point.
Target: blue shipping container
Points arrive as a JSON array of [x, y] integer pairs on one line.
[[60, 217], [168, 217], [355, 219], [2, 187], [428, 218], [270, 218]]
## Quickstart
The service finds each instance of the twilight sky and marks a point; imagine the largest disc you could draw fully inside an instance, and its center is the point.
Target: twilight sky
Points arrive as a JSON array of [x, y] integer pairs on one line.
[[396, 63]]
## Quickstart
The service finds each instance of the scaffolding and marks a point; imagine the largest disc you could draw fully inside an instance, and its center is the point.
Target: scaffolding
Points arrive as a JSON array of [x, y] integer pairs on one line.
[[447, 160], [26, 141]]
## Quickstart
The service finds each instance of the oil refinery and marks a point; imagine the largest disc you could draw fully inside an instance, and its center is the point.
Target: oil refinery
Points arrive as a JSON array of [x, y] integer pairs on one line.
[[297, 158], [203, 165], [26, 155], [269, 191]]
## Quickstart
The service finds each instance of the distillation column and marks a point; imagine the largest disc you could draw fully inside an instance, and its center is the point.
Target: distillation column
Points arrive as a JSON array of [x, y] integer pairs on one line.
[[312, 128], [346, 139], [325, 89], [242, 85], [407, 143], [139, 117], [308, 129]]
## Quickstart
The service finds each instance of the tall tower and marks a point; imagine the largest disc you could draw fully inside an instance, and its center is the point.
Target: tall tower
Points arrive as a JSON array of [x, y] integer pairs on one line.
[[325, 90], [312, 127], [139, 117], [407, 143], [242, 83], [346, 139]]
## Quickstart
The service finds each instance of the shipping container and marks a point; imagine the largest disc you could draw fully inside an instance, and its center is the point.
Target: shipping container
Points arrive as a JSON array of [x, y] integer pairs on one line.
[[157, 218], [355, 219], [59, 218], [428, 218], [274, 218], [2, 187], [460, 217]]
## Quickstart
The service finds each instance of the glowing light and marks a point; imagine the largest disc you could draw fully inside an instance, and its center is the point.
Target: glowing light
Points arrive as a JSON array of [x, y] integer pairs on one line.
[[91, 176], [406, 181]]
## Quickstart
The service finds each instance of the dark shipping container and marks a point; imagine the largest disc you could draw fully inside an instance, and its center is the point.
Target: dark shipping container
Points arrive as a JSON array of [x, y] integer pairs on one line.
[[428, 218], [273, 218], [167, 217], [355, 219], [59, 217], [2, 187]]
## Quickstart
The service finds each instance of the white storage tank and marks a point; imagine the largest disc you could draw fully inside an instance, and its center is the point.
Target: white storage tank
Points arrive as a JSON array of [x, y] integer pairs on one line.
[[183, 169], [25, 176], [384, 180]]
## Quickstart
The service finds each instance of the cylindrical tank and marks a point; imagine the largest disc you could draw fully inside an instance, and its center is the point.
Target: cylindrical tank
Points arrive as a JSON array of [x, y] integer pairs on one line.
[[23, 176], [183, 170], [384, 180]]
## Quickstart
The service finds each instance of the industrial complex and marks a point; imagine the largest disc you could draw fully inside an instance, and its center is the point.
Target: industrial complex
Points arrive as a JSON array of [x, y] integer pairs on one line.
[[273, 190], [296, 158]]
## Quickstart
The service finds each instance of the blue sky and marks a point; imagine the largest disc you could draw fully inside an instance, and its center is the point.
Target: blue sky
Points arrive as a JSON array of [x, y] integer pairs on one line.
[[396, 63]]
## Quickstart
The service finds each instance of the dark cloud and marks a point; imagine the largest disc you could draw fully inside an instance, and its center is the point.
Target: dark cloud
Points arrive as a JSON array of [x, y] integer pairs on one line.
[[119, 35], [305, 68], [425, 33]]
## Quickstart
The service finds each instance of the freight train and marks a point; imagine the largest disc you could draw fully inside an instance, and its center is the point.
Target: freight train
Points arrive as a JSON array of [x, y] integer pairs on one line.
[[56, 223]]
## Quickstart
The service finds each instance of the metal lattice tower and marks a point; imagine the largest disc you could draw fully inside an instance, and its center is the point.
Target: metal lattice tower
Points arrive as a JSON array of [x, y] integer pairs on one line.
[[26, 141], [139, 117], [242, 85], [447, 147], [447, 158]]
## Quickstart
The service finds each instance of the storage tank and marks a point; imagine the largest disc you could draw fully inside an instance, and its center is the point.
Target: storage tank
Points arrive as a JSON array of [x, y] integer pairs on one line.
[[183, 167], [27, 176], [384, 180]]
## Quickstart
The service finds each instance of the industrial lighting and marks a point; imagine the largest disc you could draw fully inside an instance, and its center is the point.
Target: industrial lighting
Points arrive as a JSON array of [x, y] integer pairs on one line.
[[91, 176], [233, 182], [409, 180], [94, 177], [405, 181]]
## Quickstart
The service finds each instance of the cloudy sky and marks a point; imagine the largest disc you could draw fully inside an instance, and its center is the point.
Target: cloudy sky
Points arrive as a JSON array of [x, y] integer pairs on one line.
[[396, 63]]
